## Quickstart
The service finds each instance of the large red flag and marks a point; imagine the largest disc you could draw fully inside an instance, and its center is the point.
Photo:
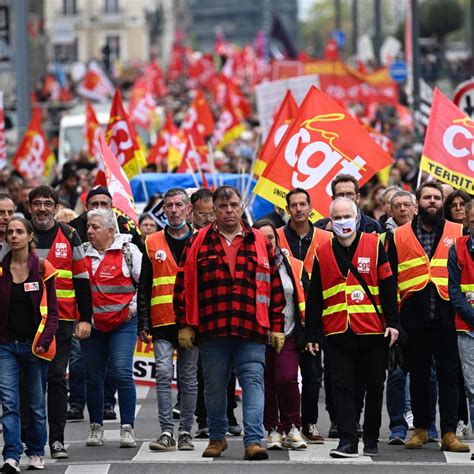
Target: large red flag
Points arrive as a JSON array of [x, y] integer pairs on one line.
[[322, 141], [228, 128], [158, 154], [34, 157], [200, 114], [281, 121], [448, 153], [117, 182], [122, 139]]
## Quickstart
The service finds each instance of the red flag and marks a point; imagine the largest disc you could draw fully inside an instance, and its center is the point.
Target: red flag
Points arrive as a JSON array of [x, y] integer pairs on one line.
[[122, 139], [95, 84], [318, 146], [158, 154], [141, 105], [34, 157], [448, 154], [3, 143], [155, 80], [117, 182], [199, 114], [281, 120], [91, 133], [195, 153], [228, 128]]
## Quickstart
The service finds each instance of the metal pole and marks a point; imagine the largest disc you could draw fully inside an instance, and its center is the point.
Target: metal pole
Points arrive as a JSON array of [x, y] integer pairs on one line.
[[378, 29], [355, 25], [22, 70], [337, 5], [472, 36], [416, 56]]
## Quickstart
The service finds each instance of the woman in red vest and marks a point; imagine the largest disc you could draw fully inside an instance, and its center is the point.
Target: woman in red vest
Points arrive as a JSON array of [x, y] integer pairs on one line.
[[28, 323], [113, 263], [282, 396]]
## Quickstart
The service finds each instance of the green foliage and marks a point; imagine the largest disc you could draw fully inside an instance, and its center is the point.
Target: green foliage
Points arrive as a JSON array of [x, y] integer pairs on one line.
[[440, 17]]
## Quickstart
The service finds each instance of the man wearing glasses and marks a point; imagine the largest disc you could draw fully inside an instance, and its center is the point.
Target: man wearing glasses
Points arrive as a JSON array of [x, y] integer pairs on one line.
[[62, 246]]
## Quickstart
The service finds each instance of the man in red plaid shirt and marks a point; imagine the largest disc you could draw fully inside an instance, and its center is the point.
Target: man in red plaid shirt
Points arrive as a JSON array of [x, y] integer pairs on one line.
[[229, 295]]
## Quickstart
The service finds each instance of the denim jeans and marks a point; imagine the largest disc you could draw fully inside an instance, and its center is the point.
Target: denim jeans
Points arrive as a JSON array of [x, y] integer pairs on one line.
[[77, 380], [466, 354], [116, 349], [16, 356], [187, 367], [218, 357], [396, 392]]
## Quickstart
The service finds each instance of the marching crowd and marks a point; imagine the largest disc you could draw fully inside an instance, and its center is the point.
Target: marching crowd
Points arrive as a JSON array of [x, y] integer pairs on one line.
[[355, 300]]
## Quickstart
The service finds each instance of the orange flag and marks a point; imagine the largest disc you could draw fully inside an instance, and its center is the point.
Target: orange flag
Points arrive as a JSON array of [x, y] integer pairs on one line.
[[322, 141], [122, 139], [228, 128], [158, 154], [448, 154], [199, 113], [281, 121], [34, 157], [142, 105]]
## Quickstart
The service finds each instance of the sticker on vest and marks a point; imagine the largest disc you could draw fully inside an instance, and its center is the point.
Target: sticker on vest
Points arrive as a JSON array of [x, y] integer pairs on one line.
[[61, 250], [357, 296], [31, 286], [470, 297], [160, 255], [107, 271], [448, 241], [363, 264]]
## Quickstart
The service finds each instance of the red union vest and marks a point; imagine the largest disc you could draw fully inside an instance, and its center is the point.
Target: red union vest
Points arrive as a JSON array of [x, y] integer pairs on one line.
[[319, 237], [415, 269], [60, 256], [164, 277], [48, 272], [466, 266], [345, 303], [297, 271], [111, 290]]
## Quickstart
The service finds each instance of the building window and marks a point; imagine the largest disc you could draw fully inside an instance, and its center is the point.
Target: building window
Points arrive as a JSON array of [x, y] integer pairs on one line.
[[111, 6], [113, 43], [69, 7], [66, 53]]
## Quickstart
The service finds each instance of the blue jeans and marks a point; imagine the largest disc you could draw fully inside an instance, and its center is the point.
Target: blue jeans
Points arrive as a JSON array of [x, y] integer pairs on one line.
[[187, 375], [16, 356], [77, 380], [218, 357], [396, 386], [466, 354], [116, 349]]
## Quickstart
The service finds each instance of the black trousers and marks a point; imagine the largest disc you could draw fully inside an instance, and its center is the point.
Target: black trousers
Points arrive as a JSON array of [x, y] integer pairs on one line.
[[357, 358], [423, 345], [57, 386], [311, 375]]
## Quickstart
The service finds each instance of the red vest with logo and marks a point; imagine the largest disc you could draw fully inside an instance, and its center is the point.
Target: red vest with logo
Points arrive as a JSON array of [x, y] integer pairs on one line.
[[112, 291], [466, 266], [319, 237], [164, 277], [345, 303]]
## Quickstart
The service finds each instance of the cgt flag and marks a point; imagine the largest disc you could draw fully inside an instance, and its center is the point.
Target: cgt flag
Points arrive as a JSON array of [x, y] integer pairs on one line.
[[448, 154], [318, 146]]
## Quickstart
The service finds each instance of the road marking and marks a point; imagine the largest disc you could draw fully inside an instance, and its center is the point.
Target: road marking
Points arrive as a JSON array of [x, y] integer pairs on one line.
[[457, 458], [145, 455], [320, 453], [89, 468], [142, 391]]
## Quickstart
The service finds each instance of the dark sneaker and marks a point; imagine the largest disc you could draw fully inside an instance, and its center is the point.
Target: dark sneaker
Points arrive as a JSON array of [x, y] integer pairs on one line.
[[165, 442], [370, 448], [333, 431], [109, 414], [75, 414], [344, 450], [202, 432], [184, 442], [58, 451], [176, 413], [10, 466], [359, 430]]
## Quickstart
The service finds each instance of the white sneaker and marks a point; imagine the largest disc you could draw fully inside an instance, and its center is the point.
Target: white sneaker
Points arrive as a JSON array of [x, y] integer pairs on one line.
[[462, 429], [127, 437], [274, 440], [409, 420], [11, 465], [35, 463], [96, 435], [294, 440]]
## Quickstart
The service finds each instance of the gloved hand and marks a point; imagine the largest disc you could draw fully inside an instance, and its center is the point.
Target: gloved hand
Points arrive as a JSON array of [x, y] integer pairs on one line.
[[186, 337], [277, 340]]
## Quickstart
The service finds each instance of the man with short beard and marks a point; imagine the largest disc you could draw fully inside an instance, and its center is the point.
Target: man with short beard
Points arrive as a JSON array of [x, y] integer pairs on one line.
[[418, 256]]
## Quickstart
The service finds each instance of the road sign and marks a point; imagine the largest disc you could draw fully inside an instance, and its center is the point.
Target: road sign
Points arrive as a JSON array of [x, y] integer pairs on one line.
[[464, 97], [399, 71], [340, 37]]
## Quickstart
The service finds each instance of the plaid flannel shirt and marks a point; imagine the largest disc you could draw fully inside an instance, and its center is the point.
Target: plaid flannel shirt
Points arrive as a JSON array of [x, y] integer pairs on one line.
[[227, 306]]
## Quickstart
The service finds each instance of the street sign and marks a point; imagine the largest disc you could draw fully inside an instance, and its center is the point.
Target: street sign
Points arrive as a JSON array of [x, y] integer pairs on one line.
[[340, 37], [464, 97], [399, 71]]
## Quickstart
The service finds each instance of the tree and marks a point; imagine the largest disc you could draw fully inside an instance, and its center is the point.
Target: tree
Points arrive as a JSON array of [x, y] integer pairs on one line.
[[438, 18]]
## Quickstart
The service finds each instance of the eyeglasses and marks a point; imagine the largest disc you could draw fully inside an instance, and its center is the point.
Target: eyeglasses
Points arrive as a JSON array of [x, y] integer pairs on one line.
[[458, 205], [205, 215], [46, 204], [346, 195], [399, 205]]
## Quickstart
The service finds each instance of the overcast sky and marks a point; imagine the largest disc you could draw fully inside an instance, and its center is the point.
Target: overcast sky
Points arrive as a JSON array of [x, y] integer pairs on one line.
[[303, 7]]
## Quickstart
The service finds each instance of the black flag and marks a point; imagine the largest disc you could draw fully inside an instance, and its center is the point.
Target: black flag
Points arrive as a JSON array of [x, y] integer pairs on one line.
[[280, 33]]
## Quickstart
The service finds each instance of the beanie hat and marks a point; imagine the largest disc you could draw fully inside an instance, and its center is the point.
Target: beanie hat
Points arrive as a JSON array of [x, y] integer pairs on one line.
[[98, 190]]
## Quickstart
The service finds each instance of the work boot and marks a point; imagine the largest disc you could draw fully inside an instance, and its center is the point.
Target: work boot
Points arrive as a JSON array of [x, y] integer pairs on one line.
[[215, 448], [451, 443], [418, 439], [255, 452]]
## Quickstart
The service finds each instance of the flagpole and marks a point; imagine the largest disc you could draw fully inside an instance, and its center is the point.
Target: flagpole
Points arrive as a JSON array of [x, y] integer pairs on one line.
[[252, 166], [190, 168], [212, 163], [198, 165]]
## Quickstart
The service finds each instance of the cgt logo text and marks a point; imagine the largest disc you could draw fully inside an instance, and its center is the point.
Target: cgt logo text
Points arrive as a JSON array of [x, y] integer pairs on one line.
[[458, 140]]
